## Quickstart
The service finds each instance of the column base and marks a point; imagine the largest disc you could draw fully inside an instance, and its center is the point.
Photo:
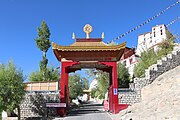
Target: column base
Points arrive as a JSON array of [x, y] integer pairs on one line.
[[118, 108], [61, 112]]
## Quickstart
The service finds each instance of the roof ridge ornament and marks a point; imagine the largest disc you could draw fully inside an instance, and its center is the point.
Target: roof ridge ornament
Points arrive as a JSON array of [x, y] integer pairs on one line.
[[73, 35], [87, 30], [102, 36]]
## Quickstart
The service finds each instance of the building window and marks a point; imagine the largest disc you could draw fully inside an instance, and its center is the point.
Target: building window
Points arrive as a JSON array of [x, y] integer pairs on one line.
[[161, 32], [124, 63], [154, 34], [150, 41], [131, 61], [150, 37], [143, 43]]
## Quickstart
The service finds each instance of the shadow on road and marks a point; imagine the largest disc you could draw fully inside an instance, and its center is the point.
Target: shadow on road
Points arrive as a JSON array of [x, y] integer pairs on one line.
[[87, 108]]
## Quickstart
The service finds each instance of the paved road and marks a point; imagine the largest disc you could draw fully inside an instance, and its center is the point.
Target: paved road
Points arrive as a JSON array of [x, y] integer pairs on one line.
[[90, 111]]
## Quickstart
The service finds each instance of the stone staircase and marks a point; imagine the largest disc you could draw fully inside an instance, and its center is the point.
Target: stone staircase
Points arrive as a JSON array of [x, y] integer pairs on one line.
[[166, 63]]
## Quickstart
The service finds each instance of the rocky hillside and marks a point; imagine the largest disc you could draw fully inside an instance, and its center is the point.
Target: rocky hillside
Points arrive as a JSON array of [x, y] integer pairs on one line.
[[160, 100]]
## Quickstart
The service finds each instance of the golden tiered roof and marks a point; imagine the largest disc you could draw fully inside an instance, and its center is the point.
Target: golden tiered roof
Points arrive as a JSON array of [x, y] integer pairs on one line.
[[88, 42], [88, 49], [92, 44]]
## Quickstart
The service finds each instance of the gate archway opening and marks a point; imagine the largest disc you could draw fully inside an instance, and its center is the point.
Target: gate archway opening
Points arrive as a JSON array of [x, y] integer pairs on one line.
[[89, 53]]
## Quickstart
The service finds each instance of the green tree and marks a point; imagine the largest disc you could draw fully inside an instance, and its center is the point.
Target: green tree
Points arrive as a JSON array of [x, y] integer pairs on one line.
[[148, 58], [166, 46], [139, 70], [91, 73], [102, 84], [43, 43], [85, 83], [11, 87], [93, 93], [1, 108], [52, 74], [103, 80], [123, 75], [75, 86]]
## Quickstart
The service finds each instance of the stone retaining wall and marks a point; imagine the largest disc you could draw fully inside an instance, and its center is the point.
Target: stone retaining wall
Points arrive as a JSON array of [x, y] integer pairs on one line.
[[167, 63], [34, 105], [129, 97]]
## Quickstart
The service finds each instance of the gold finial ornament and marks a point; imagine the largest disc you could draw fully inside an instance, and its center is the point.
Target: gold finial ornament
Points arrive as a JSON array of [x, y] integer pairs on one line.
[[102, 36], [87, 30], [73, 36]]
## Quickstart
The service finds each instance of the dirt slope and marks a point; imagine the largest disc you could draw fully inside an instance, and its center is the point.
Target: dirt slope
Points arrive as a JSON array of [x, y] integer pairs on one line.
[[160, 100]]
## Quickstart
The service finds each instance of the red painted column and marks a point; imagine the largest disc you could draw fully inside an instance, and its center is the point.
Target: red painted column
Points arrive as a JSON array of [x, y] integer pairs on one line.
[[67, 93], [63, 80], [113, 88], [64, 89], [110, 92]]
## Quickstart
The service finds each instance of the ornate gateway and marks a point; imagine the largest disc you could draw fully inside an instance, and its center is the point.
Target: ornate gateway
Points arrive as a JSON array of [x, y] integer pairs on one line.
[[88, 53]]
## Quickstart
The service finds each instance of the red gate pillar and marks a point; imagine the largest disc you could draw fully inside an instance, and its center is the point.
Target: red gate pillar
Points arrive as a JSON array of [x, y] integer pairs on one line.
[[113, 88], [63, 87]]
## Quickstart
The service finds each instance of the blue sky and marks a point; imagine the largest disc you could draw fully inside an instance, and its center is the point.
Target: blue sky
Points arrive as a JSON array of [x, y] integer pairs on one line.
[[19, 20]]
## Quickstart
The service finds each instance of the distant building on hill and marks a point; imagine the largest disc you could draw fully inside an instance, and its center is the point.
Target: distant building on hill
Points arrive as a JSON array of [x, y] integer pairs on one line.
[[151, 39], [129, 59]]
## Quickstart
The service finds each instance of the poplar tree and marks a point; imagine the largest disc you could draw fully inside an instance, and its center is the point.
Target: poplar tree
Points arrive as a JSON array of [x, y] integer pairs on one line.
[[43, 43]]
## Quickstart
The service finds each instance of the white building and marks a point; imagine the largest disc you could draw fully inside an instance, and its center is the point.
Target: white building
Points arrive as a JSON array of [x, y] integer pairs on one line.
[[130, 64], [93, 84], [151, 39], [129, 59]]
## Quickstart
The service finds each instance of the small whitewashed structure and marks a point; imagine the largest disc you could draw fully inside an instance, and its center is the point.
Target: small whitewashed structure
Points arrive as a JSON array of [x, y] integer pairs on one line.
[[93, 84]]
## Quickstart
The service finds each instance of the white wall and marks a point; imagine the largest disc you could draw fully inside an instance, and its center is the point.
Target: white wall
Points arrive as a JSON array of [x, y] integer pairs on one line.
[[130, 62], [151, 39], [93, 84]]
